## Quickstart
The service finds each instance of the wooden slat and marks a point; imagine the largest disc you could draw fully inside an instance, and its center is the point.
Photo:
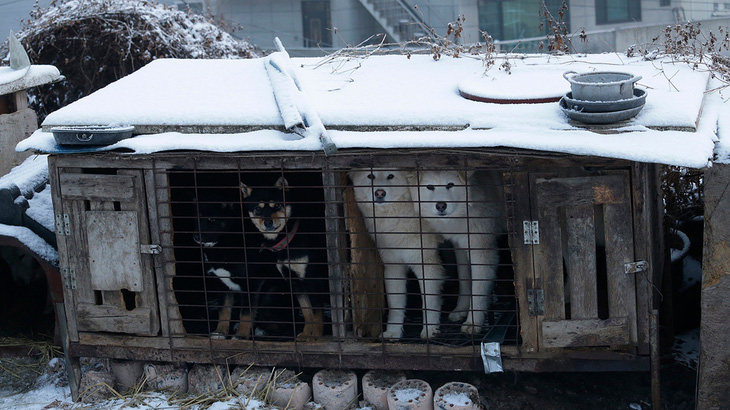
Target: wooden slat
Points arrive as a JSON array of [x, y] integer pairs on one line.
[[619, 251], [114, 251], [580, 260], [336, 244], [97, 187], [577, 191], [365, 274], [586, 332], [64, 254], [517, 193], [147, 298], [106, 318], [167, 273], [648, 213], [157, 265], [549, 252]]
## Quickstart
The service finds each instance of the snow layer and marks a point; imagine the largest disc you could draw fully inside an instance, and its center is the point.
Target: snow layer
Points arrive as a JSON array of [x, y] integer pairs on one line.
[[352, 94], [28, 175], [15, 80], [32, 241]]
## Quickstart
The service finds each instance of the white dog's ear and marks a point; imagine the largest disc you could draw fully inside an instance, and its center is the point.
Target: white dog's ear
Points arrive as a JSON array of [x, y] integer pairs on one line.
[[282, 183], [245, 190]]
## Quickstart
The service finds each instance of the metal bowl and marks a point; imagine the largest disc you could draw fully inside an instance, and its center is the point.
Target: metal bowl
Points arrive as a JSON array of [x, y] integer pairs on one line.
[[91, 135], [599, 117], [638, 99], [602, 85]]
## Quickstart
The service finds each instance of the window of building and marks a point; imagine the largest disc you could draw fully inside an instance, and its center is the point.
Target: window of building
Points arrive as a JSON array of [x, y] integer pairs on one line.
[[516, 19], [316, 23], [665, 3], [617, 11]]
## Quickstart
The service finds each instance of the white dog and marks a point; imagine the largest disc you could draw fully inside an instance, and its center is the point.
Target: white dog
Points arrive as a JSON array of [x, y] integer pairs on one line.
[[384, 199], [466, 208]]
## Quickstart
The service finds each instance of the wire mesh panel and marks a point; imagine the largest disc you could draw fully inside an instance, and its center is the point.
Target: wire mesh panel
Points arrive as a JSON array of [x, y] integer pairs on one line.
[[429, 256], [250, 254], [366, 260]]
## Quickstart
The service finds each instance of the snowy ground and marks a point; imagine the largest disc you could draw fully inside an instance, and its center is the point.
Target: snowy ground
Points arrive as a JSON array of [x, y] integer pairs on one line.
[[50, 390]]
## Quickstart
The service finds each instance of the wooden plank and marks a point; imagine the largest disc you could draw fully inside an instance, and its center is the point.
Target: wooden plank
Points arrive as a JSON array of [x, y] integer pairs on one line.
[[64, 258], [580, 261], [549, 252], [166, 274], [648, 211], [107, 318], [147, 298], [517, 196], [333, 183], [713, 383], [114, 250], [365, 273], [577, 191], [585, 332], [620, 251], [110, 297], [97, 187], [157, 264]]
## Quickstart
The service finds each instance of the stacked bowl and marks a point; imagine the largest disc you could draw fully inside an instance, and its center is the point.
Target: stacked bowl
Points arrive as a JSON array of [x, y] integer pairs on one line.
[[602, 97]]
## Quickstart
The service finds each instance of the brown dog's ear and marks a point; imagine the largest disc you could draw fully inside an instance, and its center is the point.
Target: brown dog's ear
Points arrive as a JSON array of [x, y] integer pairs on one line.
[[245, 190], [282, 184]]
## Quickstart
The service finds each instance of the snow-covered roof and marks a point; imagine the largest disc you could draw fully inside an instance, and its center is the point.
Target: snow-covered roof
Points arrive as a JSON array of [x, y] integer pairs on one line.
[[33, 76], [397, 102]]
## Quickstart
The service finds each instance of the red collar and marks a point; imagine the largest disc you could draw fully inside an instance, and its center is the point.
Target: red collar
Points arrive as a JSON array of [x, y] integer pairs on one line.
[[284, 242]]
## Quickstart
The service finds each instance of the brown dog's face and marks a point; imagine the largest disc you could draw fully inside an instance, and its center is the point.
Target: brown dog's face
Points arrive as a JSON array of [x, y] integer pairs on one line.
[[266, 206]]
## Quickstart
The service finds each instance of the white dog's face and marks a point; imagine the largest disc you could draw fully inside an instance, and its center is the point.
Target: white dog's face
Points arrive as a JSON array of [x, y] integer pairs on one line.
[[380, 186], [441, 193]]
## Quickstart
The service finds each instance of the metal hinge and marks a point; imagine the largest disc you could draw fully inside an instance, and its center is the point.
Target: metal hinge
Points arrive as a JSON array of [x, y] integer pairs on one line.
[[636, 267], [63, 225], [535, 302], [531, 232], [68, 276], [150, 249]]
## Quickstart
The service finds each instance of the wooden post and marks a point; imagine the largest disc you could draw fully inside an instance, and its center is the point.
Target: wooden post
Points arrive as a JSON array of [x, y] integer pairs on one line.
[[713, 389]]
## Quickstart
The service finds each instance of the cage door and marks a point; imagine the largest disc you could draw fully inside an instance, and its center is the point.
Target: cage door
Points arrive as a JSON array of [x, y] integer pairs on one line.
[[586, 239], [114, 281]]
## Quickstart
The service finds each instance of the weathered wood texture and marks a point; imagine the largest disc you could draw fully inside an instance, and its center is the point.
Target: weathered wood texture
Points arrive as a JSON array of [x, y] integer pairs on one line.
[[365, 273], [577, 215], [15, 127], [115, 284], [713, 382]]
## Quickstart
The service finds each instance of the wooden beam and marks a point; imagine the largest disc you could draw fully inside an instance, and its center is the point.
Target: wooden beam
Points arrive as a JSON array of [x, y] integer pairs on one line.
[[713, 387]]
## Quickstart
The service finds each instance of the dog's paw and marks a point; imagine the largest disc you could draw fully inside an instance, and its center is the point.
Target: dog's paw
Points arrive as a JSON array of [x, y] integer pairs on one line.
[[429, 332], [391, 334], [216, 335], [470, 328], [457, 315]]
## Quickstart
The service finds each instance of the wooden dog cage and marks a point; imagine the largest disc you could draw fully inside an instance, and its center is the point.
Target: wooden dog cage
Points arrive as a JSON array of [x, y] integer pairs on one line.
[[577, 262]]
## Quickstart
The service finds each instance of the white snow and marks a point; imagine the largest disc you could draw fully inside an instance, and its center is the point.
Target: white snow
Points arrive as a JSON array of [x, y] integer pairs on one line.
[[395, 91], [15, 80], [406, 394], [41, 209], [32, 241], [26, 176], [456, 398]]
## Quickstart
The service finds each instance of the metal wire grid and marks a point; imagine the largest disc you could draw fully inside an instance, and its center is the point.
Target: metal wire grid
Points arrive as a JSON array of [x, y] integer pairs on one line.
[[198, 194]]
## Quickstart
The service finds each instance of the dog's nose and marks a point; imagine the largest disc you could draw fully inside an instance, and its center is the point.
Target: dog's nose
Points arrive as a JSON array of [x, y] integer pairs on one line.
[[380, 194], [441, 206], [268, 223]]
